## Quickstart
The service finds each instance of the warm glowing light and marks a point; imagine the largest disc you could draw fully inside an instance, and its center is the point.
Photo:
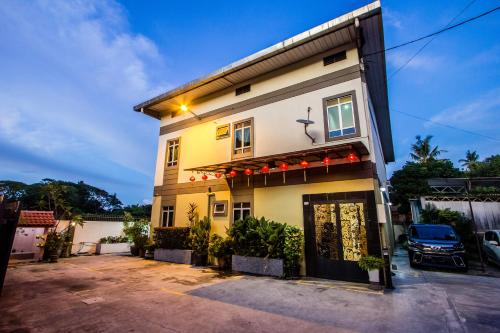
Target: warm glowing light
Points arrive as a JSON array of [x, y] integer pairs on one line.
[[352, 157], [326, 160], [248, 172], [204, 177], [233, 173], [284, 166], [265, 168], [184, 107], [304, 164]]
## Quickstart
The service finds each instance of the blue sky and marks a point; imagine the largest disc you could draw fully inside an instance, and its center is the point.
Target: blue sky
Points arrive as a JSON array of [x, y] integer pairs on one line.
[[72, 70]]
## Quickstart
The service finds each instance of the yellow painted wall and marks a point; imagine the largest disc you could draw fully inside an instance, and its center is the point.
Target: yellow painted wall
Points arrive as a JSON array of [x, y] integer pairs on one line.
[[284, 203], [156, 212], [219, 223]]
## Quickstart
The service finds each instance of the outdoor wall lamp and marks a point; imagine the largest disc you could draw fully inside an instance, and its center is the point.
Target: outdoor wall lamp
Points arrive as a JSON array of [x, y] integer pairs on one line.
[[185, 108], [306, 123]]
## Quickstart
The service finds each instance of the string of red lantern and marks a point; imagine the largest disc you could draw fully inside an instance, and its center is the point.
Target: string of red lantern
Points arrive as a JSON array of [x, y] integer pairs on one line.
[[352, 157], [326, 161], [218, 175], [204, 177]]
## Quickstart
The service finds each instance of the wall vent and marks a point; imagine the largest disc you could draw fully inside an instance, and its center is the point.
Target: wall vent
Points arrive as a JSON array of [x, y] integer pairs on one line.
[[242, 90], [339, 56]]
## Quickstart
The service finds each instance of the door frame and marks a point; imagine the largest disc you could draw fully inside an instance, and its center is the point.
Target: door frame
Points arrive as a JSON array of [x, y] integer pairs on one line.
[[371, 225]]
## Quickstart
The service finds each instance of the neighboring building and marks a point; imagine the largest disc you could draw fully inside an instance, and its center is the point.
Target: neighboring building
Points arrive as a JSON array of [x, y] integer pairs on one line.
[[31, 224], [243, 118], [481, 195]]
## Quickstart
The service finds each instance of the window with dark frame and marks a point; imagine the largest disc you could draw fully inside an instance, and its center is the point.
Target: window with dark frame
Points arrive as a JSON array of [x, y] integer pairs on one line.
[[167, 219], [242, 90], [339, 56], [241, 210], [340, 116], [172, 152], [243, 138]]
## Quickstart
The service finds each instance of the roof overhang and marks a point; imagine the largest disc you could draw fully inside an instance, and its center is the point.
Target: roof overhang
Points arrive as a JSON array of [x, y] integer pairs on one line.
[[363, 27], [337, 154]]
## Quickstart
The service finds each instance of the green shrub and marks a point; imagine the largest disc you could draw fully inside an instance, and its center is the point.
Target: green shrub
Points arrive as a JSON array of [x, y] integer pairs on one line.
[[137, 231], [257, 238], [200, 236], [220, 247], [113, 240], [172, 238], [367, 263], [293, 249]]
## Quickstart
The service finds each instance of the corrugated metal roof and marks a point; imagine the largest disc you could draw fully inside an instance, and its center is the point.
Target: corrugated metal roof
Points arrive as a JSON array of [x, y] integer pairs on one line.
[[334, 33]]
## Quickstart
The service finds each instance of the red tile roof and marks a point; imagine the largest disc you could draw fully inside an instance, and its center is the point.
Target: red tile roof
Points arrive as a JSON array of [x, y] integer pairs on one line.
[[35, 218]]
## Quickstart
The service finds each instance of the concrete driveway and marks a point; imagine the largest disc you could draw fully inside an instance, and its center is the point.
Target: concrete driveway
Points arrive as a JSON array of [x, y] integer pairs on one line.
[[125, 294]]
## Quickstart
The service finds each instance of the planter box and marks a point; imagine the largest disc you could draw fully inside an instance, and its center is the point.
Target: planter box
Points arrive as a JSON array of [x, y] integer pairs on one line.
[[176, 256], [112, 248], [256, 265]]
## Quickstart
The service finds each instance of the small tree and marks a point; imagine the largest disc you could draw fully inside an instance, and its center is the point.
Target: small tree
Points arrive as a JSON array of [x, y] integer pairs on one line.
[[137, 231]]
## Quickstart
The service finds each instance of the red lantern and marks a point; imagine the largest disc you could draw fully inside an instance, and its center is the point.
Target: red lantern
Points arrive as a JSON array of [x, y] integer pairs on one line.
[[248, 172], [218, 175], [352, 157], [192, 178], [284, 167], [204, 177], [265, 169], [326, 161], [232, 174], [304, 164]]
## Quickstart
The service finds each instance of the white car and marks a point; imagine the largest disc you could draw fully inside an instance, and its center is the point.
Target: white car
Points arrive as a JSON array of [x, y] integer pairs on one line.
[[491, 246]]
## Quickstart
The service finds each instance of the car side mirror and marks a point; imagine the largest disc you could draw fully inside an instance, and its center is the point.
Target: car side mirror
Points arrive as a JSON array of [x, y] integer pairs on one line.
[[494, 243]]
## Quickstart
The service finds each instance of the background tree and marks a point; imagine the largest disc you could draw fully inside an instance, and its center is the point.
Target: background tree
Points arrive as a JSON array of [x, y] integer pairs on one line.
[[470, 161], [490, 167], [422, 151]]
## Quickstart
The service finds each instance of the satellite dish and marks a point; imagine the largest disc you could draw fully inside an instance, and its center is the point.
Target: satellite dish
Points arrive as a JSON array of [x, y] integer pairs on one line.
[[305, 121]]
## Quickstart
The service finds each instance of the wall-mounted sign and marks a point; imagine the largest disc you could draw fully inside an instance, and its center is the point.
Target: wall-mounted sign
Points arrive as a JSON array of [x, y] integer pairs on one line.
[[222, 132]]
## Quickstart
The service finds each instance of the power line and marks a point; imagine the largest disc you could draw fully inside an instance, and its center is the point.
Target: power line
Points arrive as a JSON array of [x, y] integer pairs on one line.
[[448, 126], [430, 41], [434, 33]]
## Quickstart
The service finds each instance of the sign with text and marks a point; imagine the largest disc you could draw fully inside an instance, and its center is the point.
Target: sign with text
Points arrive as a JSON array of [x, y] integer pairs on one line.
[[222, 132]]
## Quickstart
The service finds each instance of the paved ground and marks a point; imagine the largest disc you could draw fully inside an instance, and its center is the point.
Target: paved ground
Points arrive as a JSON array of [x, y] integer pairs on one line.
[[125, 294]]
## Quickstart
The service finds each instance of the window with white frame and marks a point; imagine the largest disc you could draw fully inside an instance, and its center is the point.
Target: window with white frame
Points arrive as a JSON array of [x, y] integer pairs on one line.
[[167, 219], [340, 116], [172, 152], [241, 210], [243, 138]]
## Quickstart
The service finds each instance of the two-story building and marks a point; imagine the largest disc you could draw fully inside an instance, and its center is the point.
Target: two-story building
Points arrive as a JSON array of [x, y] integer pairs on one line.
[[298, 133]]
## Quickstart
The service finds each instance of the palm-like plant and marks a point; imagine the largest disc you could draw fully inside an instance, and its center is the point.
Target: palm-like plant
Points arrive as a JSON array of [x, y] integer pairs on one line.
[[470, 161], [422, 150]]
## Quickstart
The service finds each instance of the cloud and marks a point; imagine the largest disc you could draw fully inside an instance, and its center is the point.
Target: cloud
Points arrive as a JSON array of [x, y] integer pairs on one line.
[[70, 75], [483, 112], [396, 59], [392, 18]]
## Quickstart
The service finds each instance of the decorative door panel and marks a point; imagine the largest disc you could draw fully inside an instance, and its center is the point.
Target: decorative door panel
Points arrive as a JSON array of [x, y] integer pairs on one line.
[[336, 238]]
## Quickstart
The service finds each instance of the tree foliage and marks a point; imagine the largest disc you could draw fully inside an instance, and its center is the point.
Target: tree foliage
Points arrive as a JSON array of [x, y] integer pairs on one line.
[[411, 180], [490, 167], [470, 160], [423, 151]]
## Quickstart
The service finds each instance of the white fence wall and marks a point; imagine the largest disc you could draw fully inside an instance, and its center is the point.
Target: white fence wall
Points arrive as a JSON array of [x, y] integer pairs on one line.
[[486, 214]]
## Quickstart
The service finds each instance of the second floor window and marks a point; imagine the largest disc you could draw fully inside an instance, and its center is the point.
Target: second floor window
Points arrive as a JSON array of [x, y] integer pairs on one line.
[[340, 117], [243, 138], [172, 152]]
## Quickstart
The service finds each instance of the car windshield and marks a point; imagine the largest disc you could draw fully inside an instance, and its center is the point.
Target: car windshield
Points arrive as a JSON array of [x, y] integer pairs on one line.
[[434, 233]]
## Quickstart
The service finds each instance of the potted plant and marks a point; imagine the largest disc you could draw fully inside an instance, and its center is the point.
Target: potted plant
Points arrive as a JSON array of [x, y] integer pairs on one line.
[[53, 244], [372, 265], [221, 249], [137, 232], [199, 236]]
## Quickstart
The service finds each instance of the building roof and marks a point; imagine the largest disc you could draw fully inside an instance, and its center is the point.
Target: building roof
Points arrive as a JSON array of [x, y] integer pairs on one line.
[[35, 218], [362, 26]]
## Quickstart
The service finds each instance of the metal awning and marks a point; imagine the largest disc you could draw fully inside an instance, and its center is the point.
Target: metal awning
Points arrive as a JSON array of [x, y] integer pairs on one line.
[[337, 154]]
